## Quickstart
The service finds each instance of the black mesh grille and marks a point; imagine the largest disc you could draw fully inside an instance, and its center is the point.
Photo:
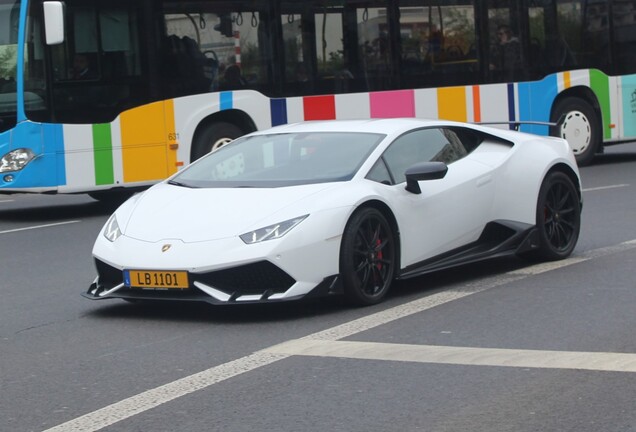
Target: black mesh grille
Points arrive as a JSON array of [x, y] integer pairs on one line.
[[108, 275], [256, 278]]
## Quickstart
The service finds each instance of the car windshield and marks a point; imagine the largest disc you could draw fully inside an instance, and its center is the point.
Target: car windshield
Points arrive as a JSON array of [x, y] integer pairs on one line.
[[281, 160]]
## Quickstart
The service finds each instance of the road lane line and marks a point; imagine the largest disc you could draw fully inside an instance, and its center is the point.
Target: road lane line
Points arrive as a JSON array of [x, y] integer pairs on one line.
[[39, 226], [605, 187], [6, 201], [153, 398], [150, 399], [468, 356]]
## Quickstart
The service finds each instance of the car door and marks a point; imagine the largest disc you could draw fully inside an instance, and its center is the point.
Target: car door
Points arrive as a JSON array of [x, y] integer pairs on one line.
[[450, 212]]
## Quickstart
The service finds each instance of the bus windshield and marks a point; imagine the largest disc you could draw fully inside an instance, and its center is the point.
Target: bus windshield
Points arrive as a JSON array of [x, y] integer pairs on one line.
[[9, 13]]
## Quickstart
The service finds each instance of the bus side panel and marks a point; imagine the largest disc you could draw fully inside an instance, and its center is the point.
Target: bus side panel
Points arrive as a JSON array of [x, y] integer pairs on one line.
[[103, 154], [599, 82], [451, 103], [628, 89], [185, 114], [172, 137], [79, 159], [137, 147], [491, 102], [615, 123], [256, 105], [144, 143], [188, 114], [535, 103]]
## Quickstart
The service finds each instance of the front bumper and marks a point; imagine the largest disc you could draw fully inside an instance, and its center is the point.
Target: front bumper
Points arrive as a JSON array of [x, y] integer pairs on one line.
[[222, 271], [260, 282]]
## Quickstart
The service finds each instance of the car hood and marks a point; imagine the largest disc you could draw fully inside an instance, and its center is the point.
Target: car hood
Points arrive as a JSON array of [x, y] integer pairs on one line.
[[173, 212]]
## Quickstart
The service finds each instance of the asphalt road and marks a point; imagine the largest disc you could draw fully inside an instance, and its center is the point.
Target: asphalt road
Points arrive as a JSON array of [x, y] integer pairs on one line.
[[498, 346]]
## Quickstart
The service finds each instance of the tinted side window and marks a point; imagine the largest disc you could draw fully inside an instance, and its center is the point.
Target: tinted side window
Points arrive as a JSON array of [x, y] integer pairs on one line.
[[425, 145], [380, 173]]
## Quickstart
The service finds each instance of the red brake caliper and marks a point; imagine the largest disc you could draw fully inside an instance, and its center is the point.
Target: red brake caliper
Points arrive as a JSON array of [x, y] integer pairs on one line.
[[379, 264]]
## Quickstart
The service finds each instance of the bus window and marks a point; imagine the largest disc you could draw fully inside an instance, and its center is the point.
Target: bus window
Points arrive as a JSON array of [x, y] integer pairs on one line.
[[567, 34], [96, 72], [564, 47], [375, 48], [624, 13], [506, 61], [332, 72], [187, 67], [438, 43], [319, 56], [211, 46], [299, 67]]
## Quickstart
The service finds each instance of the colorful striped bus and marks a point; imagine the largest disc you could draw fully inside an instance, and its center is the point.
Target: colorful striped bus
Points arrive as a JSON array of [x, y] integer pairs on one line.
[[105, 96]]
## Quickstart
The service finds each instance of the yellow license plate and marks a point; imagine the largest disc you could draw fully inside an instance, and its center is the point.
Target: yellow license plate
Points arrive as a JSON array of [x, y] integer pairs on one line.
[[156, 279]]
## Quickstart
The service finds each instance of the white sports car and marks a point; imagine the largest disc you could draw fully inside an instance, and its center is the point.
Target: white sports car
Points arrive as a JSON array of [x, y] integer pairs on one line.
[[340, 207]]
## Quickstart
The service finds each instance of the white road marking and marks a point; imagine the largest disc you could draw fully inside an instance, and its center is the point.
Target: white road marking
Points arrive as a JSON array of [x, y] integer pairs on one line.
[[6, 201], [605, 187], [38, 227], [326, 341], [595, 361], [152, 398]]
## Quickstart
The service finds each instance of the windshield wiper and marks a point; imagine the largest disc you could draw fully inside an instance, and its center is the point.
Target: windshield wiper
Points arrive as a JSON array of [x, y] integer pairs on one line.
[[176, 183]]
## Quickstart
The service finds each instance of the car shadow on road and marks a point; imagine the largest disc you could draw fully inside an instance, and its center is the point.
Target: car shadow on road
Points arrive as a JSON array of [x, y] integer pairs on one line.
[[403, 291], [207, 313]]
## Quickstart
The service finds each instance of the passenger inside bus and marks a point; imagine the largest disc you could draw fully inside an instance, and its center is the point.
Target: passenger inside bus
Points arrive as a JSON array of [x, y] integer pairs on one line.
[[81, 68], [188, 71], [233, 78], [506, 54]]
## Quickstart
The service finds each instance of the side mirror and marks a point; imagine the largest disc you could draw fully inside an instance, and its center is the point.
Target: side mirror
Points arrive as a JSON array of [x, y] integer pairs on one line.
[[423, 171], [54, 22]]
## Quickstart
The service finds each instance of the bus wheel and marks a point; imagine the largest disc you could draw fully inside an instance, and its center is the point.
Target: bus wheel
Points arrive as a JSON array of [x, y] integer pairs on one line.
[[579, 124], [214, 136]]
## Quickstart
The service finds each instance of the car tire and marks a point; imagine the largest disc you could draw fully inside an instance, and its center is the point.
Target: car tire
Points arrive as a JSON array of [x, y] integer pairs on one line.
[[214, 136], [367, 257], [558, 218], [578, 123]]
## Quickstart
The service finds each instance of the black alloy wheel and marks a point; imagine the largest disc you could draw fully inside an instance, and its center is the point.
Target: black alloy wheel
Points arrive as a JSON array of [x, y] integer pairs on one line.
[[367, 257], [558, 217]]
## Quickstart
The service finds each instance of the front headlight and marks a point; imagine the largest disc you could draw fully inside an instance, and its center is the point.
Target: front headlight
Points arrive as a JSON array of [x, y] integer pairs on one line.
[[271, 232], [16, 160], [111, 229]]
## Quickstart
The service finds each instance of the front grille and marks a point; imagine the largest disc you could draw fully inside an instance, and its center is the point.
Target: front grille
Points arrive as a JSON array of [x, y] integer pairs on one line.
[[261, 278], [256, 278], [108, 275]]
